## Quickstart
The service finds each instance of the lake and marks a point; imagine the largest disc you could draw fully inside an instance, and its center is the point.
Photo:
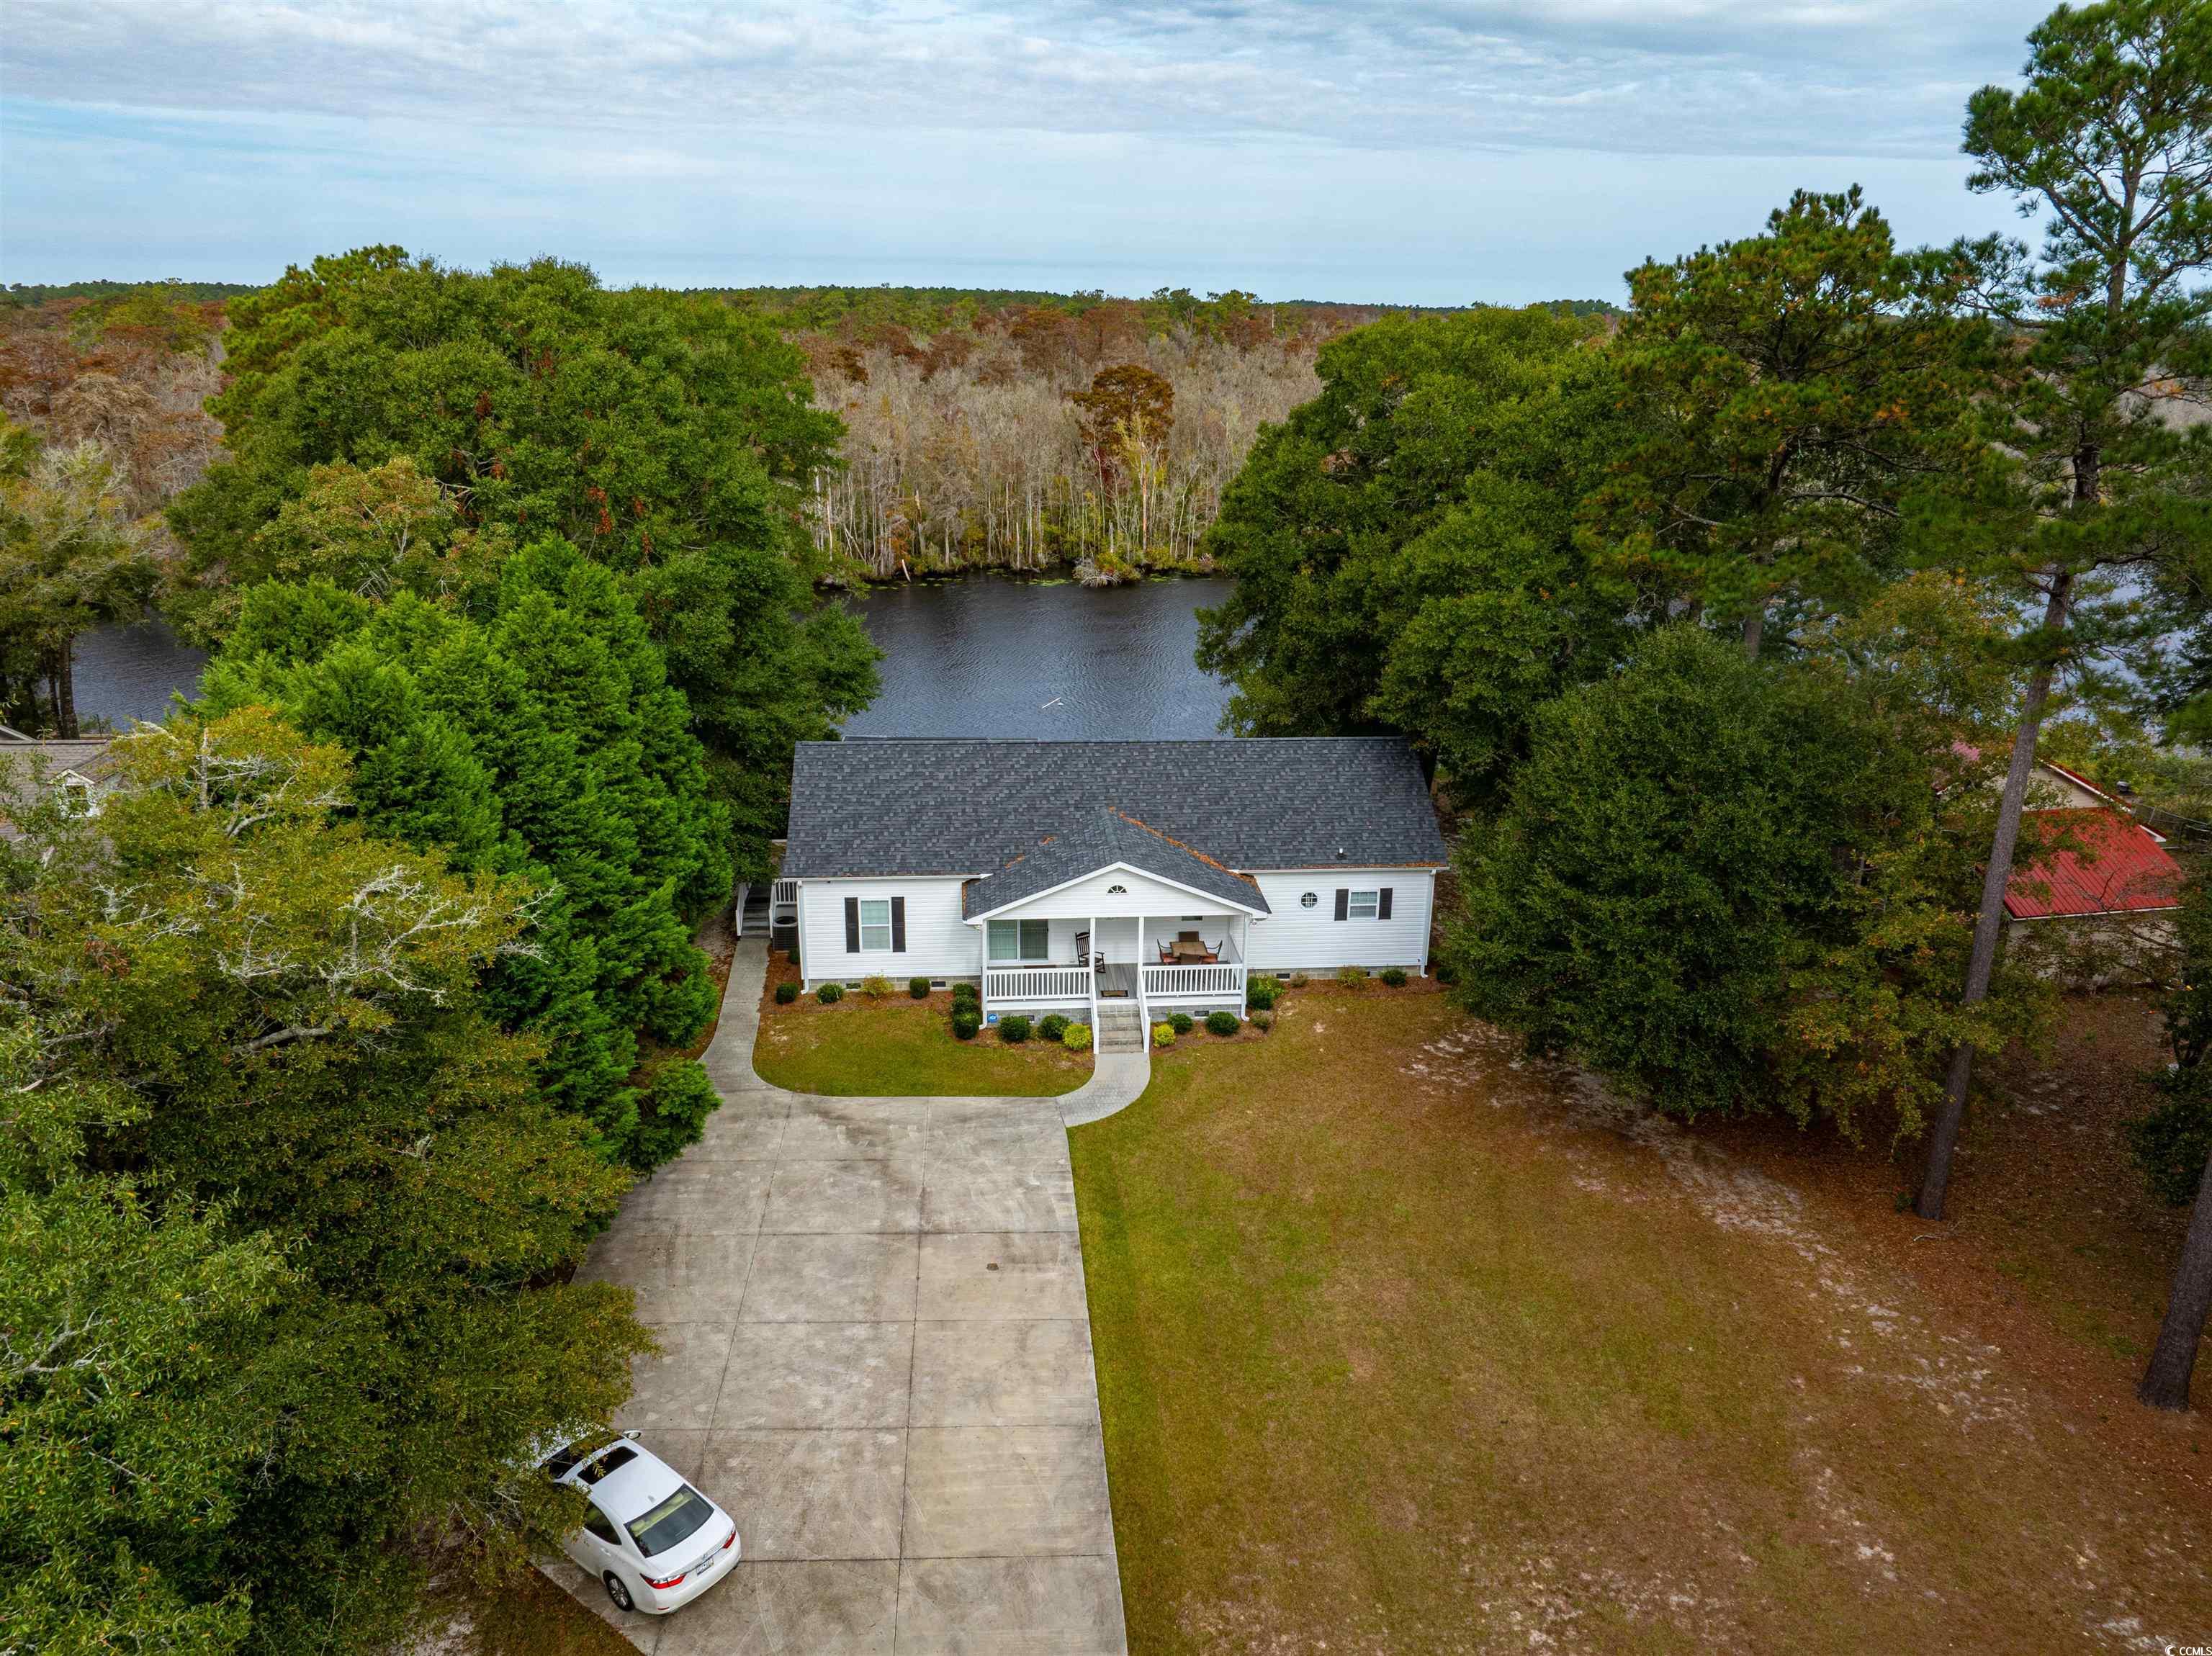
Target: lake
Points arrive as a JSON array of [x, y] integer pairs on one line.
[[984, 656], [988, 656]]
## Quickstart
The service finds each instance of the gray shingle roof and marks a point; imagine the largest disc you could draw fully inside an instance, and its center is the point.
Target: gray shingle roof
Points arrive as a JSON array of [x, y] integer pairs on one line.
[[1111, 836], [968, 806]]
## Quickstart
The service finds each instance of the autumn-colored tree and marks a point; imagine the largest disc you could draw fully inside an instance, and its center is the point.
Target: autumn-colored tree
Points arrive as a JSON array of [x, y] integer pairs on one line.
[[1125, 405]]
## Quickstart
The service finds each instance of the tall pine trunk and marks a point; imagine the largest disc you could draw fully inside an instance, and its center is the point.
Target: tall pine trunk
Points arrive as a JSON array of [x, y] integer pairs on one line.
[[1989, 924], [2166, 1381]]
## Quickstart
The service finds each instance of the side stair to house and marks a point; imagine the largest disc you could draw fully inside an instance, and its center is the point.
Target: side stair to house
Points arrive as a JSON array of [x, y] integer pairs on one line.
[[754, 920], [1120, 1026]]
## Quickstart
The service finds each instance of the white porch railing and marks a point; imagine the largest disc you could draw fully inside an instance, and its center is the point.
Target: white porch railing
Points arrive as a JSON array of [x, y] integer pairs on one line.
[[1031, 986], [1213, 982], [783, 899]]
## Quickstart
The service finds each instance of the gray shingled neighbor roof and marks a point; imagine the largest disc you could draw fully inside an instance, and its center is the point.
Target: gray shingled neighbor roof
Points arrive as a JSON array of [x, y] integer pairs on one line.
[[968, 806], [1111, 836]]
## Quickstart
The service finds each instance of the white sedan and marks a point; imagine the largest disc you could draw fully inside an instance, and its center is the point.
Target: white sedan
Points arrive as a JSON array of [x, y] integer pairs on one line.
[[654, 1541]]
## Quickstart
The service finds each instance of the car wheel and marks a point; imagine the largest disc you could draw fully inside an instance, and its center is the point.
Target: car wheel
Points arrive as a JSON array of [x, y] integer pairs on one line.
[[617, 1590]]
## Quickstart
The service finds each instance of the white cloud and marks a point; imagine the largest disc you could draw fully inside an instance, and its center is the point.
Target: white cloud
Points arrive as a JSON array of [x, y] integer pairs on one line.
[[1418, 149], [1726, 77]]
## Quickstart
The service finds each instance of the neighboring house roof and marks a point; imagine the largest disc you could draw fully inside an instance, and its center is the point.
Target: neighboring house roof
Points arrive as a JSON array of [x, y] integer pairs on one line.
[[2123, 868], [970, 805], [84, 756], [1108, 838]]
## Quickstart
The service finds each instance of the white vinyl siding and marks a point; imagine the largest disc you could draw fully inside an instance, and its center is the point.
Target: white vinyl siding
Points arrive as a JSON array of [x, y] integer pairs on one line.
[[938, 943], [1297, 938], [1094, 896]]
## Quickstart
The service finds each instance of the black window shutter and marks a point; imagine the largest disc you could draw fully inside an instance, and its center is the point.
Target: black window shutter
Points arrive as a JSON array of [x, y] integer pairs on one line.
[[852, 925], [898, 925], [1382, 905], [1343, 903]]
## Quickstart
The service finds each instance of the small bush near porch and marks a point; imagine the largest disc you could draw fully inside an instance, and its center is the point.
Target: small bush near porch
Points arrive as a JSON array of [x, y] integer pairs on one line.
[[897, 1047]]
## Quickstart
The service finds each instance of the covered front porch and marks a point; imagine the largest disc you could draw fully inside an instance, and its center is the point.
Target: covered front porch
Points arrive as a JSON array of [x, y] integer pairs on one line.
[[1113, 913], [1168, 962]]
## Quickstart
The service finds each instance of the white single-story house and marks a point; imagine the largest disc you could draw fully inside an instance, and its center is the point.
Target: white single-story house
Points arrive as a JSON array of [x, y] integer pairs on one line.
[[1058, 875]]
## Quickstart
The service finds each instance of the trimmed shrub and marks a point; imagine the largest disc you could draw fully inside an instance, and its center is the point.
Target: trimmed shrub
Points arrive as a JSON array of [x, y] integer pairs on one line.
[[1180, 1023], [1258, 999], [1013, 1028], [917, 987], [1446, 973], [966, 993], [1263, 1020], [1267, 982], [786, 992], [1394, 976], [1164, 1034], [875, 988], [1352, 974], [829, 994], [1051, 1027], [1223, 1023], [672, 1107], [965, 1022], [1076, 1038]]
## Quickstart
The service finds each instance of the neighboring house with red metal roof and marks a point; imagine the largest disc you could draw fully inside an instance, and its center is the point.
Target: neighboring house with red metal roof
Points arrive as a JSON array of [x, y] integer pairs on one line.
[[2096, 861], [2092, 892]]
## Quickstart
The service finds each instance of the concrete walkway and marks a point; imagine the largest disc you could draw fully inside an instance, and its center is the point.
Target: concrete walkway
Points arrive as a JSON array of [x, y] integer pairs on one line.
[[876, 1356]]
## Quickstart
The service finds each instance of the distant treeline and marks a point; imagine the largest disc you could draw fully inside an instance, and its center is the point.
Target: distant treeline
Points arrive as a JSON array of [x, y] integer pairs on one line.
[[197, 292]]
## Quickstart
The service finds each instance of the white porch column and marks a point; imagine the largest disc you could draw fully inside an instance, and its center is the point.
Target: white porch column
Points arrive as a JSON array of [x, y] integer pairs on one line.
[[1096, 949], [1144, 958]]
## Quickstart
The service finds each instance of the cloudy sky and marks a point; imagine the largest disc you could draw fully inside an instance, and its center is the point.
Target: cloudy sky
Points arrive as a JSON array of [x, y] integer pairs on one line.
[[1430, 151]]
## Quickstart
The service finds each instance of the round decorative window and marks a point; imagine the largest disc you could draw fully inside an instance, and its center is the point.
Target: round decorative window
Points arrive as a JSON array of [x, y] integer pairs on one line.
[[1117, 891], [1308, 901]]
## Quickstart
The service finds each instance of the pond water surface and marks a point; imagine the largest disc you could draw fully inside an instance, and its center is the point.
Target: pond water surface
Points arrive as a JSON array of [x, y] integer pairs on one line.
[[993, 656], [984, 656]]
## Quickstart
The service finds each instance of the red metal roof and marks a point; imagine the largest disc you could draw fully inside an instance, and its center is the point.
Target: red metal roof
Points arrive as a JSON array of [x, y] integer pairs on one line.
[[2122, 868]]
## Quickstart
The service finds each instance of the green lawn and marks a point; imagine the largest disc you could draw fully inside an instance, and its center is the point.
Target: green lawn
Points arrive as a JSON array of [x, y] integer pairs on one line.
[[902, 1048], [1399, 1350]]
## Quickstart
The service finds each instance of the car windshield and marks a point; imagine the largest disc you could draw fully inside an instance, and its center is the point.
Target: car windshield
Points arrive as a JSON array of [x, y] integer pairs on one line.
[[674, 1521]]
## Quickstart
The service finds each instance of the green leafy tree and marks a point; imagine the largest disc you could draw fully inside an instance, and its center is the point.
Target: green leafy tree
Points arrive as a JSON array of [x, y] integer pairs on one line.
[[1792, 388], [543, 741], [666, 435], [313, 1200], [1404, 545], [2112, 138], [1729, 885], [71, 559]]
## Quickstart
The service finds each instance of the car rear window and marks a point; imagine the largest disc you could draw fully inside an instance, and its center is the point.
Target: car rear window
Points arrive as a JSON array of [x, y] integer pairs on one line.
[[615, 1458], [674, 1521]]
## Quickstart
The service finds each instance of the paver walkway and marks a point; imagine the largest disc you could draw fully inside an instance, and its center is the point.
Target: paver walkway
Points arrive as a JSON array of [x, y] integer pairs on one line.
[[876, 1356]]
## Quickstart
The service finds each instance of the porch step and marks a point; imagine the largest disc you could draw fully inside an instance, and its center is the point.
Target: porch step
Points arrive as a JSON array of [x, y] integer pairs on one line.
[[1120, 1028]]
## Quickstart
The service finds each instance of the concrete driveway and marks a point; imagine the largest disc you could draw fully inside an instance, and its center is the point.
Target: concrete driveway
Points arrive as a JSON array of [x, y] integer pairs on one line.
[[876, 1356]]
